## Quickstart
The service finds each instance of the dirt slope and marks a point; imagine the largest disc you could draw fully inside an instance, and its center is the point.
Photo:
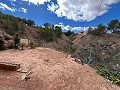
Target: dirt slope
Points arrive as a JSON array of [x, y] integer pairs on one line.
[[34, 35], [32, 32], [51, 70]]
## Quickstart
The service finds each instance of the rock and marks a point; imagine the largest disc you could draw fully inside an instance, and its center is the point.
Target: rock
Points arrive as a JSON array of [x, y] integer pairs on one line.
[[26, 78], [7, 36], [6, 41], [23, 76]]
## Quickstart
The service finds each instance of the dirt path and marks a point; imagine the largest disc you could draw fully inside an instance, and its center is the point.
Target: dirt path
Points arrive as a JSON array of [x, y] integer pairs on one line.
[[51, 70]]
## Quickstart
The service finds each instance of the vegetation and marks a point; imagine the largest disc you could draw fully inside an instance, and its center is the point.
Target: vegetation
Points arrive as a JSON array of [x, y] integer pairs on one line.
[[113, 27], [69, 33], [32, 44], [70, 49], [112, 76], [13, 24], [49, 32], [58, 31], [102, 52], [97, 31], [16, 41]]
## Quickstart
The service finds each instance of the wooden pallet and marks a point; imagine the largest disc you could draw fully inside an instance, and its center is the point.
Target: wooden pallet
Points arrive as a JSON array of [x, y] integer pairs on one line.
[[9, 66]]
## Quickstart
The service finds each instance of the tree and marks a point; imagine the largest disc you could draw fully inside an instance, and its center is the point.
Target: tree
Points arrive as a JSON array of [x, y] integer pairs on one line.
[[97, 31], [24, 20], [90, 30], [118, 28], [69, 33], [114, 25], [10, 28], [58, 31], [47, 25], [16, 41], [4, 23], [101, 29], [30, 22], [21, 27], [47, 34]]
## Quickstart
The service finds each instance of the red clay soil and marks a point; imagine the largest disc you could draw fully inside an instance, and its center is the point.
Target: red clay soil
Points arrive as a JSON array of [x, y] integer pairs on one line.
[[32, 32], [51, 70]]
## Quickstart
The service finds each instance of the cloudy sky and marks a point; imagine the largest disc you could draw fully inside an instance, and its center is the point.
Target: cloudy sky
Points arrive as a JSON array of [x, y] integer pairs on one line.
[[75, 15]]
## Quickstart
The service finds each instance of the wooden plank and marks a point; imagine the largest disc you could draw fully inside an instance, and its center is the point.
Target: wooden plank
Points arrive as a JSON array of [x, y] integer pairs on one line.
[[9, 66]]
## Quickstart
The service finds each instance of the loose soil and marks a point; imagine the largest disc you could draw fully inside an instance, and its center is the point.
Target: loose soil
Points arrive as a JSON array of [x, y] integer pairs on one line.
[[50, 70]]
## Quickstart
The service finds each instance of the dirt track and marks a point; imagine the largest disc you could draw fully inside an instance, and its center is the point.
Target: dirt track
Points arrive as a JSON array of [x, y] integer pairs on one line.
[[51, 70]]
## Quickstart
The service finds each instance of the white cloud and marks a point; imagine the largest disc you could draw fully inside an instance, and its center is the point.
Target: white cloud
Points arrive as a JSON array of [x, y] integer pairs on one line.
[[81, 10], [6, 7], [36, 2], [53, 7], [68, 27], [22, 10], [13, 0]]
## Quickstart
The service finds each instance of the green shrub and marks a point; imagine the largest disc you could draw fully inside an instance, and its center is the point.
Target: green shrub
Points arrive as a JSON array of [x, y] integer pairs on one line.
[[113, 77], [47, 34], [73, 48], [70, 48], [32, 44], [97, 31], [16, 41], [58, 31]]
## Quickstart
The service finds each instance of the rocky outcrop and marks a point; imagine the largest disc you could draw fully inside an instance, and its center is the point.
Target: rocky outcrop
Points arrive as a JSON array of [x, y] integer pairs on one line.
[[6, 41]]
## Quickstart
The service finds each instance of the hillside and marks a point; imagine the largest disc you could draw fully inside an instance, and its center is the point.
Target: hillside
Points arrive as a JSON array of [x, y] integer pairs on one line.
[[100, 52], [27, 30], [105, 48], [50, 70]]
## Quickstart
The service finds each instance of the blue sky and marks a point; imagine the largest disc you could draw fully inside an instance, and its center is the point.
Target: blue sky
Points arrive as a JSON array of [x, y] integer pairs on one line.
[[75, 15]]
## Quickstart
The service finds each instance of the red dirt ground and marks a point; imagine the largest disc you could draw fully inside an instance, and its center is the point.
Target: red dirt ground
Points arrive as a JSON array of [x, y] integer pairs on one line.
[[51, 70]]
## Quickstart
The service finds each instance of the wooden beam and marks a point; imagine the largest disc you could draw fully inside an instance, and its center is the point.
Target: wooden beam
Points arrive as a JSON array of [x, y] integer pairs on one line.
[[9, 66]]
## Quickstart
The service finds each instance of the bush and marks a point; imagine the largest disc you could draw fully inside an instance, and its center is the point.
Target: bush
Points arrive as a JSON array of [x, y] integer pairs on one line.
[[47, 34], [70, 49], [69, 33], [113, 77], [16, 41], [32, 44], [97, 31], [58, 31]]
